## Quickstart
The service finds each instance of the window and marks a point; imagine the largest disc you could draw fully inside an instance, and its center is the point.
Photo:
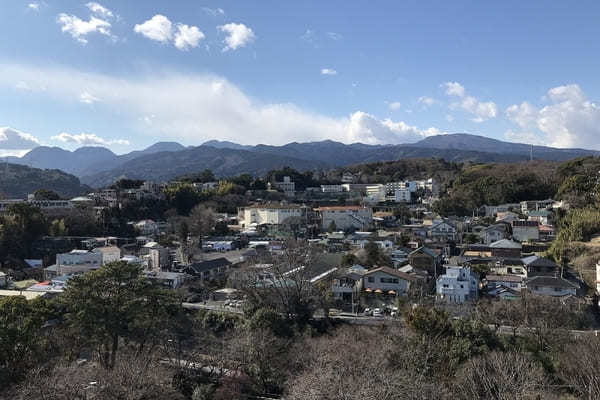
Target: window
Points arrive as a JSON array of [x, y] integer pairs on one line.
[[557, 289], [445, 285], [371, 279], [462, 287]]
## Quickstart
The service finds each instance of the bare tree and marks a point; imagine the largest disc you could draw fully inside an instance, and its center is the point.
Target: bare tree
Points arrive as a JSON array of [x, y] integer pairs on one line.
[[201, 222]]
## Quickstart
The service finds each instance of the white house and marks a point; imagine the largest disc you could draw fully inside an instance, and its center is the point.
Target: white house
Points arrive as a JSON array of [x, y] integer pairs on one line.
[[457, 285], [156, 255], [497, 285], [346, 217], [77, 261], [267, 214], [442, 231]]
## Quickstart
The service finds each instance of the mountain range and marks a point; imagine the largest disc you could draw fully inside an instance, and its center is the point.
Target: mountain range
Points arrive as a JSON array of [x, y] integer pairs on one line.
[[98, 166]]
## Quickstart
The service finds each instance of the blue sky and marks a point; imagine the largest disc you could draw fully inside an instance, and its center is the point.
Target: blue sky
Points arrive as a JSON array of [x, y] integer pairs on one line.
[[126, 74]]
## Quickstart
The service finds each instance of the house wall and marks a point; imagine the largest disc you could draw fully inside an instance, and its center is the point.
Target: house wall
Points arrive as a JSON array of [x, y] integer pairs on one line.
[[548, 291], [400, 287], [347, 219]]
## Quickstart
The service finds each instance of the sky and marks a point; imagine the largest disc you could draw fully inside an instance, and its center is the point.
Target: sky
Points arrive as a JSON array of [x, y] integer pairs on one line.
[[125, 74]]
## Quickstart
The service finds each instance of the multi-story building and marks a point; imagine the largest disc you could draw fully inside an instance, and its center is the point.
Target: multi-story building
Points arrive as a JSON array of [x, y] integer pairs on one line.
[[109, 253], [74, 262], [332, 188], [402, 195], [376, 192], [268, 214], [286, 186], [346, 217], [457, 285]]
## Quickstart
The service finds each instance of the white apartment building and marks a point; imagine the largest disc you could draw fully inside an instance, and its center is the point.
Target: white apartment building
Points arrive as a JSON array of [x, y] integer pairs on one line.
[[346, 217], [457, 285], [267, 214], [376, 192], [332, 188]]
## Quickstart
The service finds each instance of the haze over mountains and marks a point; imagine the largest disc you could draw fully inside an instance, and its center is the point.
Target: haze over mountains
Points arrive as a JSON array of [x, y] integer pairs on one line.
[[98, 166]]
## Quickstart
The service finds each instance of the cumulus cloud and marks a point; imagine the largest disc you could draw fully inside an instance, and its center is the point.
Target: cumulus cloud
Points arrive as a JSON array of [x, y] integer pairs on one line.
[[99, 10], [366, 128], [195, 108], [79, 28], [482, 111], [214, 12], [328, 71], [238, 35], [16, 143], [187, 36], [158, 28], [570, 120], [88, 139]]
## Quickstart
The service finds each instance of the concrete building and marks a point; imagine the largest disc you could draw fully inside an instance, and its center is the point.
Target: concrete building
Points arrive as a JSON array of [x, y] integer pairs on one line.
[[346, 217], [457, 285], [332, 189], [109, 253], [74, 262], [402, 195], [376, 193], [267, 214], [286, 186]]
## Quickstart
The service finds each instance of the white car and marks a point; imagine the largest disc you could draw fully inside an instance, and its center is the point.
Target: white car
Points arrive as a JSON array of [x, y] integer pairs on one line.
[[377, 312]]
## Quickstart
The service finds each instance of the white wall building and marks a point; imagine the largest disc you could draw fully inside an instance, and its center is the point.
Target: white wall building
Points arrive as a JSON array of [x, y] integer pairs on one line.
[[287, 186], [376, 193], [267, 214], [457, 285], [77, 261], [109, 253], [332, 188], [402, 195]]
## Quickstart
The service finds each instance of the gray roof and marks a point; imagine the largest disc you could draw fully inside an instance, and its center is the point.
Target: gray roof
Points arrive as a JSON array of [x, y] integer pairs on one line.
[[551, 281], [535, 261], [505, 244]]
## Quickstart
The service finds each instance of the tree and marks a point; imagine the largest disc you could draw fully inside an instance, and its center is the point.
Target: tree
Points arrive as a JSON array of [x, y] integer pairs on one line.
[[201, 222], [45, 194], [21, 340], [113, 303]]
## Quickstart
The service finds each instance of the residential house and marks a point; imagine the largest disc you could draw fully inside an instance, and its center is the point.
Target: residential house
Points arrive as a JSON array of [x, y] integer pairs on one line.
[[157, 256], [543, 217], [551, 286], [171, 280], [209, 270], [345, 217], [490, 211], [505, 248], [497, 285], [345, 286], [540, 266], [457, 285], [385, 280], [442, 232], [493, 233], [508, 266], [525, 231], [547, 233], [425, 259], [400, 256]]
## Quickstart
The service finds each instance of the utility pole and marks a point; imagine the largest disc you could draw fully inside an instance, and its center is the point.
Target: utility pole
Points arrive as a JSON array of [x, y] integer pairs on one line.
[[531, 153]]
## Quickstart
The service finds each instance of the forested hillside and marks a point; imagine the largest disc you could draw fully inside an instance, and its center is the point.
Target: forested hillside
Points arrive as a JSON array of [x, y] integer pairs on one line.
[[17, 181]]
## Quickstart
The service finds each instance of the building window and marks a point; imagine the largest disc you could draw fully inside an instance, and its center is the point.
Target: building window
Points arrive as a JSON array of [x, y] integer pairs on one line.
[[371, 279]]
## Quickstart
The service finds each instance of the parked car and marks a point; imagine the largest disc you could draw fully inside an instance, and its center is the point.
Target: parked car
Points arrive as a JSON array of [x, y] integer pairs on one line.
[[377, 312]]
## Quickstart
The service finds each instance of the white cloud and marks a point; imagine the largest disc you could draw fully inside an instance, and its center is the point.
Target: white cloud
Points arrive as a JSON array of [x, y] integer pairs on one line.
[[187, 36], [366, 128], [238, 35], [427, 101], [454, 89], [395, 105], [157, 28], [213, 11], [334, 36], [570, 120], [79, 28], [308, 36], [35, 6], [482, 111], [87, 139], [99, 10], [195, 108], [88, 98], [16, 143], [328, 71]]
